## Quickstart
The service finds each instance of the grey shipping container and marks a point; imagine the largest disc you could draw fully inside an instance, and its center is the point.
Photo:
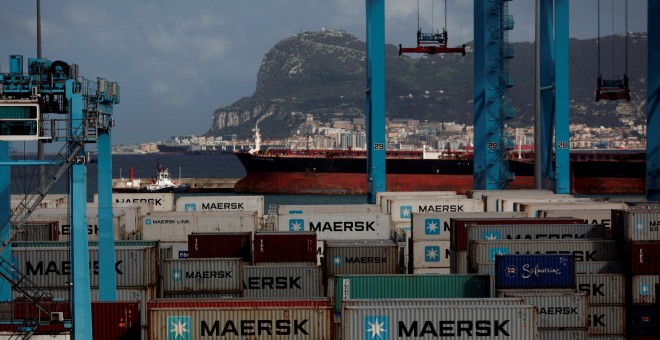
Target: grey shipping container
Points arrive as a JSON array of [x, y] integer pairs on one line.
[[328, 209], [430, 302], [637, 225], [51, 266], [488, 322], [282, 281], [535, 231], [203, 275], [361, 257], [563, 334], [603, 289], [559, 309], [583, 250], [607, 319], [644, 289]]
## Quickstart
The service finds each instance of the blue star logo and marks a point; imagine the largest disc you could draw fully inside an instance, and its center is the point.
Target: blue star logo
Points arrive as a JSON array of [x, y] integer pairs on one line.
[[296, 224], [178, 327], [497, 251], [432, 226], [337, 261], [644, 289], [147, 221], [376, 327], [405, 211], [491, 235], [432, 253], [190, 207], [177, 275]]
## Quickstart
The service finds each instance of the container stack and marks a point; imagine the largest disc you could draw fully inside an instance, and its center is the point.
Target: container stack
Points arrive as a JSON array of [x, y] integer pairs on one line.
[[637, 231], [549, 283]]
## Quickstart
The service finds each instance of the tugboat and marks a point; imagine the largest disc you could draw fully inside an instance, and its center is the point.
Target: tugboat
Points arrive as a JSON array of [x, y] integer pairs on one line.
[[161, 183]]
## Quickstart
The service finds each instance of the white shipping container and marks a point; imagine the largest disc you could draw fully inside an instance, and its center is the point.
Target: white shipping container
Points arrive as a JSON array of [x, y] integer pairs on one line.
[[593, 216], [286, 209], [437, 226], [176, 226], [62, 217], [430, 254], [203, 275], [338, 227], [401, 210], [492, 198], [221, 203], [163, 202], [459, 322], [512, 203], [386, 202], [555, 309], [386, 194], [532, 209]]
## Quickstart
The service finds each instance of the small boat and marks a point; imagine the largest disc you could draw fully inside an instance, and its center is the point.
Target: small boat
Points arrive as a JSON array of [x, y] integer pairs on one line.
[[161, 183]]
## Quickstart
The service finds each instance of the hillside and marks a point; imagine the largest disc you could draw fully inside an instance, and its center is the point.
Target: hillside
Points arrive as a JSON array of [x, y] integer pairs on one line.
[[322, 73]]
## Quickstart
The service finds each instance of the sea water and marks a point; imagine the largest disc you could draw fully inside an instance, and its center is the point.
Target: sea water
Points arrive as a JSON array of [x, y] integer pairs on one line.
[[24, 179]]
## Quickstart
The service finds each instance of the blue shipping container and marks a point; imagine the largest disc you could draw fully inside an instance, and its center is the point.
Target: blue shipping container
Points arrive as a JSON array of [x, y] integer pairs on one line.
[[534, 271], [641, 319]]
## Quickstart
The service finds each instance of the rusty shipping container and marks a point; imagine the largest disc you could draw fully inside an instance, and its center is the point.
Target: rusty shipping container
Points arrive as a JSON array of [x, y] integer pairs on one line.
[[203, 275], [217, 245], [116, 320], [433, 322], [557, 309], [51, 266], [285, 247], [282, 281], [361, 257], [583, 250], [241, 319], [459, 237], [644, 289], [607, 319]]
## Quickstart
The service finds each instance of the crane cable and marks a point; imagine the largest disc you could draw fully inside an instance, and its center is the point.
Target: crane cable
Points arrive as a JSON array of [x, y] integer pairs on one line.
[[612, 47]]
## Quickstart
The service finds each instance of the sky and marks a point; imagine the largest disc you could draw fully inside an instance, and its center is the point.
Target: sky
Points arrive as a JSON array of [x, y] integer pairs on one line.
[[178, 61]]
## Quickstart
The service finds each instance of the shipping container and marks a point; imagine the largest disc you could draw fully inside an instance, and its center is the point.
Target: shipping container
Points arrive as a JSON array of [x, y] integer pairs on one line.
[[431, 302], [644, 289], [282, 281], [534, 271], [431, 271], [609, 337], [591, 216], [116, 320], [338, 227], [51, 267], [437, 226], [286, 247], [215, 245], [285, 209], [641, 319], [176, 226], [430, 254], [241, 319], [221, 203], [393, 194], [535, 231], [603, 289], [409, 286], [582, 250], [163, 202], [62, 216], [557, 309], [563, 334], [401, 210], [459, 237], [36, 231], [637, 225], [201, 296], [203, 275], [515, 203], [361, 257], [533, 209], [459, 261], [177, 250], [460, 322], [607, 319], [132, 215], [492, 198], [597, 267], [644, 258]]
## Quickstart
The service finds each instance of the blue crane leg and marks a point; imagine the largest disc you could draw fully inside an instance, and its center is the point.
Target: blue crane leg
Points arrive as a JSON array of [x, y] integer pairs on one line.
[[5, 213], [107, 274], [562, 134], [547, 92]]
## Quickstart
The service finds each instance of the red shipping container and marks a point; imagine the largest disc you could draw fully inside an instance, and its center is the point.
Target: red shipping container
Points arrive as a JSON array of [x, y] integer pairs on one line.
[[116, 320], [459, 241], [220, 245], [285, 247], [644, 258]]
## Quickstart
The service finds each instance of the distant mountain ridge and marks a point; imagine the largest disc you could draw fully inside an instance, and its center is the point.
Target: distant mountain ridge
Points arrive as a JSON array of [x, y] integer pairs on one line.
[[323, 74]]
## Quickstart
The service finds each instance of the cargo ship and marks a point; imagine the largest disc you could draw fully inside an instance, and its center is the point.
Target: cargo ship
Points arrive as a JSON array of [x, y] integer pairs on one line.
[[600, 171]]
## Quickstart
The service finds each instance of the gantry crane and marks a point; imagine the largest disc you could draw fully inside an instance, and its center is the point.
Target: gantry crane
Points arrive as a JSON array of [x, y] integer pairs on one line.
[[52, 103]]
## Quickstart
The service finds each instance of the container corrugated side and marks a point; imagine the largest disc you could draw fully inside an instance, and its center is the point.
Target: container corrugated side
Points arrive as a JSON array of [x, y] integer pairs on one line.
[[161, 201], [593, 216], [437, 226], [279, 281], [644, 289], [487, 322], [430, 302], [64, 222], [51, 267], [582, 250], [492, 198], [607, 319], [533, 209], [361, 257], [409, 286], [638, 225], [603, 289], [36, 231], [563, 334], [459, 238], [214, 245], [286, 247], [401, 210], [556, 309], [535, 231], [203, 275], [338, 227], [221, 203], [644, 258], [380, 196], [176, 226], [242, 323], [431, 271], [430, 254], [284, 209], [116, 320], [534, 271]]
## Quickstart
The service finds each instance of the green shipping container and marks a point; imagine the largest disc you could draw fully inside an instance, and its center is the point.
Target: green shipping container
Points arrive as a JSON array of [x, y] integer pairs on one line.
[[410, 286]]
